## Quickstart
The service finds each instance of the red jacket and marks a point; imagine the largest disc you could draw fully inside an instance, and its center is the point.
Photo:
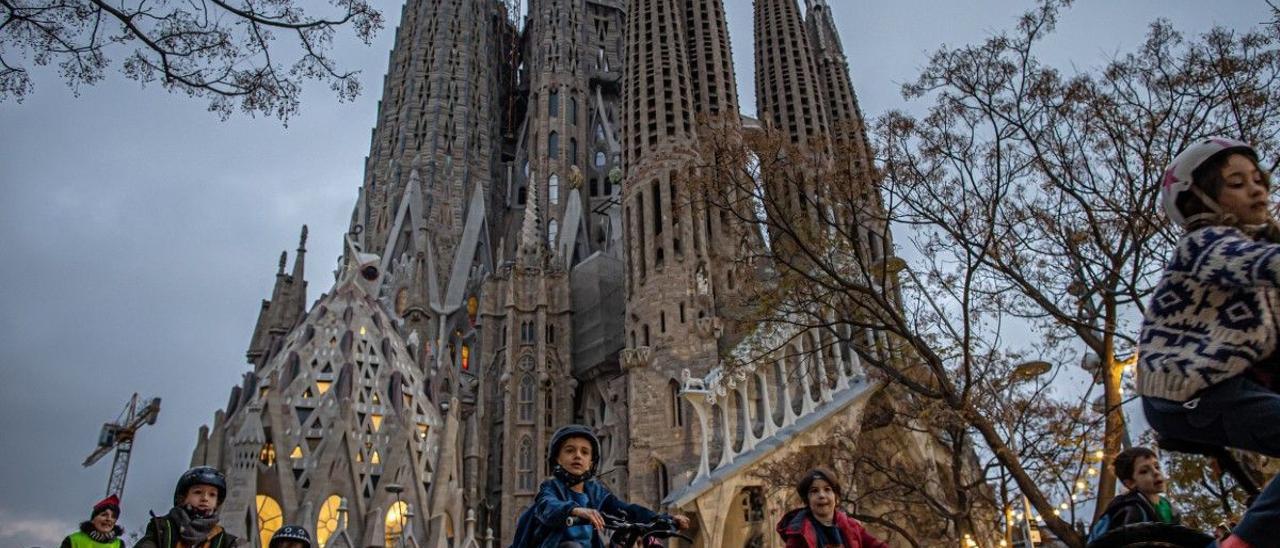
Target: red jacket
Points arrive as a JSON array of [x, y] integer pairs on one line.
[[798, 531]]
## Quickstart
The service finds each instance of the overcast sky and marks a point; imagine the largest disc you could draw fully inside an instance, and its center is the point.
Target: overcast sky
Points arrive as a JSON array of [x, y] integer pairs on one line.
[[138, 233]]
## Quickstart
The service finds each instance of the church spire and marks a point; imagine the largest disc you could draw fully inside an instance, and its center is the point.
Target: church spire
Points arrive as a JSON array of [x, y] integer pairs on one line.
[[531, 243]]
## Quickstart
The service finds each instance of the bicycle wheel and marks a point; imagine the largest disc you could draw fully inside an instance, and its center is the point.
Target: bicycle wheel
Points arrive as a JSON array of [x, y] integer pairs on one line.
[[1152, 535]]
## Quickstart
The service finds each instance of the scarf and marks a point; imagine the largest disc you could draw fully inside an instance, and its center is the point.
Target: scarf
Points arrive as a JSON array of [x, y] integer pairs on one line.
[[98, 536], [192, 530]]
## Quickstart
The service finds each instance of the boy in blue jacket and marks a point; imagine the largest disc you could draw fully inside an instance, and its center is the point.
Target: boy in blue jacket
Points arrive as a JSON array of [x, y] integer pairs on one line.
[[571, 492]]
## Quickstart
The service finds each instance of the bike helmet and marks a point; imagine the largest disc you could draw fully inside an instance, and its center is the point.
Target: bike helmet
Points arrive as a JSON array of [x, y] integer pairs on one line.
[[290, 532], [1178, 177], [200, 475], [558, 439]]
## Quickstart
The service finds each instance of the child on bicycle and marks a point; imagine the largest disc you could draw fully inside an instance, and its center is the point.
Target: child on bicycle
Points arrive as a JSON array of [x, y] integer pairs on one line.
[[193, 520], [1138, 469], [1213, 317], [572, 493]]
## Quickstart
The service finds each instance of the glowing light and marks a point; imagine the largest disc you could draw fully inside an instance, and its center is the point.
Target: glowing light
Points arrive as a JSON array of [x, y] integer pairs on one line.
[[323, 386], [327, 522], [362, 331], [377, 422], [1093, 471], [267, 455], [1079, 485], [296, 453], [395, 522], [270, 518], [376, 458]]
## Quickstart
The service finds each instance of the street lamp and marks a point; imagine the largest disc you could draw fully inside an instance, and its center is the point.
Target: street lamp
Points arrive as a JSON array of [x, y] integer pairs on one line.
[[1030, 370]]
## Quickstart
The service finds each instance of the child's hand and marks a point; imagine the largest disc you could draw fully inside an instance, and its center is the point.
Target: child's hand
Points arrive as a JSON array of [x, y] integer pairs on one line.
[[590, 515], [682, 522]]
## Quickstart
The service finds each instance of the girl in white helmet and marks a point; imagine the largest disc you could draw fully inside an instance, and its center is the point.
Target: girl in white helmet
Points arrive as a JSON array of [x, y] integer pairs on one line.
[[1212, 320]]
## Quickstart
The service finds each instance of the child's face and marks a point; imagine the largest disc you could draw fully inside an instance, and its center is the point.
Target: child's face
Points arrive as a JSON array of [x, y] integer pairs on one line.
[[202, 497], [1147, 478], [575, 456], [1244, 192], [822, 499]]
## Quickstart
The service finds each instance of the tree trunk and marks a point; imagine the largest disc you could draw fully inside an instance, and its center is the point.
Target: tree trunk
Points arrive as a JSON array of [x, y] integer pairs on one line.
[[1011, 462]]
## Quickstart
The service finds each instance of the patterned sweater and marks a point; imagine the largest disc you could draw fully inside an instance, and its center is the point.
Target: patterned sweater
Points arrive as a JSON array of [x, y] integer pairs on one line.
[[1212, 315]]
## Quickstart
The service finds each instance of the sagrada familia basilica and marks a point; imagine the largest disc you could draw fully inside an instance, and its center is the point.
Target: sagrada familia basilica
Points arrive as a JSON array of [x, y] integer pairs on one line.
[[523, 254]]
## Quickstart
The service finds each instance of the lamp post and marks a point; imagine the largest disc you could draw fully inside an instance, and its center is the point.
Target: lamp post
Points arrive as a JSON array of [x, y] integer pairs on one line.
[[1024, 372]]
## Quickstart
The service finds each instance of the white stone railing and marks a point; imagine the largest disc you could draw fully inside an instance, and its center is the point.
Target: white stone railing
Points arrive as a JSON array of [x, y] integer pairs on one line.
[[757, 403]]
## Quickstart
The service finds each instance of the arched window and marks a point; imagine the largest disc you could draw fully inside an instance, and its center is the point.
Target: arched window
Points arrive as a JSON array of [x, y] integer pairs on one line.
[[660, 479], [600, 158], [270, 517], [553, 103], [525, 464], [573, 110], [522, 196], [524, 406], [553, 230], [553, 145], [573, 151], [553, 189], [394, 523], [327, 519]]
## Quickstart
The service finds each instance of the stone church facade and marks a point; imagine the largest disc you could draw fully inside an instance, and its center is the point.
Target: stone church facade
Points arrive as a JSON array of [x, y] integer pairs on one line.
[[524, 253]]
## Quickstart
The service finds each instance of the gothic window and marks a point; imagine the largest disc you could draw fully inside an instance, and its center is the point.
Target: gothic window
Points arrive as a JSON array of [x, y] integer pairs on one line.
[[660, 480], [553, 230], [394, 522], [525, 481], [524, 405], [553, 189], [600, 158], [677, 406], [270, 517], [327, 521], [466, 357], [548, 415], [553, 103], [573, 151], [573, 111], [553, 145], [522, 196]]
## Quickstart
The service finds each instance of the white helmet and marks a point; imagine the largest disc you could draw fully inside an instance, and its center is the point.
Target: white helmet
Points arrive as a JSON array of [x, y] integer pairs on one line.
[[1177, 177]]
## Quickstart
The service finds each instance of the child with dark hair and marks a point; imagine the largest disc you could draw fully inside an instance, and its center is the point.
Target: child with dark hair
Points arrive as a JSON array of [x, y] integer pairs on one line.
[[1210, 333], [820, 523], [100, 531], [1138, 469]]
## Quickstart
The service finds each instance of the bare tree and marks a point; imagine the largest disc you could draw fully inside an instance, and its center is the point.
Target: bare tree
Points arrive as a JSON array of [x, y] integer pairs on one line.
[[221, 50], [1030, 200]]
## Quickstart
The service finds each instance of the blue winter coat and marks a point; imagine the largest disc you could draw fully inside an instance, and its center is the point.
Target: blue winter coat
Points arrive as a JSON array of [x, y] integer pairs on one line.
[[543, 524]]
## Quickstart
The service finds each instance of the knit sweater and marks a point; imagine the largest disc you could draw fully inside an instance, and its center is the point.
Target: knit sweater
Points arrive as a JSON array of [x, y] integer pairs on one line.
[[1211, 316]]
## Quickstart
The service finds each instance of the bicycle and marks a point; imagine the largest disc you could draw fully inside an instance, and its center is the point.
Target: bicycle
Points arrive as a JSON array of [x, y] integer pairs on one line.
[[1163, 535], [627, 533]]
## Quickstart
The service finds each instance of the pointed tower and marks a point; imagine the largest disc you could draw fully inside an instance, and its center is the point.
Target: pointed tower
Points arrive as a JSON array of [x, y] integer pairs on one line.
[[666, 242], [848, 127], [787, 92], [283, 310]]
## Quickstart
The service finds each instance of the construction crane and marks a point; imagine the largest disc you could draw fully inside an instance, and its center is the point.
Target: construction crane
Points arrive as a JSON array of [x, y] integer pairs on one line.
[[119, 435]]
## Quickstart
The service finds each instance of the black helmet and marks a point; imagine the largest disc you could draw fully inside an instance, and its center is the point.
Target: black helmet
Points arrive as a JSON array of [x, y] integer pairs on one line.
[[200, 475], [574, 431], [290, 532]]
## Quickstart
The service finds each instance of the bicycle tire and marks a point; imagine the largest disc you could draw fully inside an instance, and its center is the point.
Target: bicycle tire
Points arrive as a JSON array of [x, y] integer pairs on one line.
[[1152, 535]]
